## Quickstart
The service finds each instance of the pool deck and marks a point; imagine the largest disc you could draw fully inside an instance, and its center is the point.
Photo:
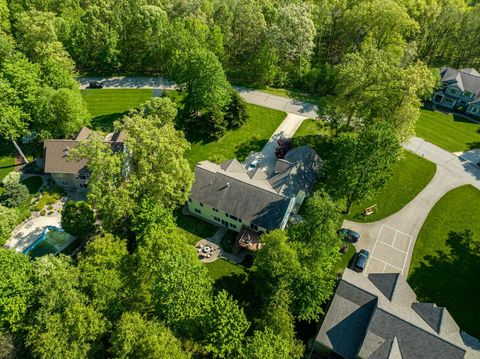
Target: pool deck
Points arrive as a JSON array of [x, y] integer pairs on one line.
[[30, 230]]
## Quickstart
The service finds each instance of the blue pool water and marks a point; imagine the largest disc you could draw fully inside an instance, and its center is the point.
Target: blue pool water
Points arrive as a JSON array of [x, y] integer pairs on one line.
[[52, 240]]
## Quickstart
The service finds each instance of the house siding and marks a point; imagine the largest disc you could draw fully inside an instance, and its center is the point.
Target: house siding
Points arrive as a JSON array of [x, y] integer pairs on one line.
[[205, 211], [287, 213], [473, 109], [69, 181], [451, 96]]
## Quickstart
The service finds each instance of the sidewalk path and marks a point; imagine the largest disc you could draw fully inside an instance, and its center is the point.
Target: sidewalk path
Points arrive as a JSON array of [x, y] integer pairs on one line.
[[267, 157], [251, 96]]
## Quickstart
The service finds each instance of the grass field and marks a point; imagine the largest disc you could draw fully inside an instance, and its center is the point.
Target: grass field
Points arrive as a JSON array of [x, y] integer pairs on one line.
[[410, 176], [7, 161], [313, 133], [223, 268], [252, 136], [193, 229], [445, 265], [108, 105], [452, 133]]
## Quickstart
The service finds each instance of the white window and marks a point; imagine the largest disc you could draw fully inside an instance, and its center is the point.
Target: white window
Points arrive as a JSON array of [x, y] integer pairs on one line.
[[453, 91]]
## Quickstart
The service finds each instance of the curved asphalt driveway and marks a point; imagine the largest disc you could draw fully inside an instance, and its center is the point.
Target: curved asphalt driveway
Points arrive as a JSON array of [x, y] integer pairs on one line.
[[391, 240]]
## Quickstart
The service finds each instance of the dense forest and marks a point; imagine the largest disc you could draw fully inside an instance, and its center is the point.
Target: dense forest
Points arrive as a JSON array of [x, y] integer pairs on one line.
[[137, 290]]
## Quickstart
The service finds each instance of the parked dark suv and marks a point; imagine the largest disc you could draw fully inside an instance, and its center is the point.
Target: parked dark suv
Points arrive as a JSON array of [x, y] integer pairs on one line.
[[348, 235], [360, 261], [95, 85]]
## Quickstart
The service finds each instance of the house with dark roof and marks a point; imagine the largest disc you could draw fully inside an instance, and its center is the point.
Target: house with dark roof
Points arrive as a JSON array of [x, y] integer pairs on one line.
[[460, 90], [68, 173], [234, 196], [379, 317]]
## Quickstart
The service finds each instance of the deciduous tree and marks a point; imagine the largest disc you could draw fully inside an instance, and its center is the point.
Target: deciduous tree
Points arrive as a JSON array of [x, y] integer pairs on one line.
[[16, 289], [8, 220], [137, 337], [224, 335], [103, 273], [78, 218], [15, 192], [362, 162], [63, 324]]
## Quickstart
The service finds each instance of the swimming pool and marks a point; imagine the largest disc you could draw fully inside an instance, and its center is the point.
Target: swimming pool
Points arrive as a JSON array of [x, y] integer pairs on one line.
[[52, 241]]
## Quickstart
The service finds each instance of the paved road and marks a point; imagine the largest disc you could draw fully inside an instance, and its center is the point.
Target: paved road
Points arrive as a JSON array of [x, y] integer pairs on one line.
[[391, 241], [251, 96]]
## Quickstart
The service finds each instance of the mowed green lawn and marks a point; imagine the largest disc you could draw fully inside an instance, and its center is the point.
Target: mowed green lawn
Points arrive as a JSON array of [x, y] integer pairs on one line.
[[314, 134], [252, 136], [445, 267], [107, 105], [7, 160], [452, 133], [224, 268], [410, 176]]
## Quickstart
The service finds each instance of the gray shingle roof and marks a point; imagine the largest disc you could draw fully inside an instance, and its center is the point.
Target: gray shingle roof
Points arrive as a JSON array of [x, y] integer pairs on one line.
[[56, 152], [381, 310], [466, 79], [297, 171], [239, 197], [250, 195]]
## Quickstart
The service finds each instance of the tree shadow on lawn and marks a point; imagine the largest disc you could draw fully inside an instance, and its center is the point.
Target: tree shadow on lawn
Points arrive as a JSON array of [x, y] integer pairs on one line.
[[473, 145], [462, 118], [105, 122], [242, 288], [452, 280], [252, 145], [194, 225], [322, 144]]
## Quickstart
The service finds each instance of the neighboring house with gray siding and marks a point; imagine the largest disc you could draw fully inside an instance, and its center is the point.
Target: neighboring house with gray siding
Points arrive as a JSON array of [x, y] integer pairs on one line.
[[460, 90], [237, 198], [67, 173], [378, 316]]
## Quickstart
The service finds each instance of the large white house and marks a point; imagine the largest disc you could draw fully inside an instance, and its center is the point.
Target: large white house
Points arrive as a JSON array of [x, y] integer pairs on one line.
[[236, 197]]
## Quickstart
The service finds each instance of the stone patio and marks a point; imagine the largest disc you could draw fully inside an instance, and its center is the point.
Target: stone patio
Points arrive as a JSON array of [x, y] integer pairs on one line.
[[215, 250]]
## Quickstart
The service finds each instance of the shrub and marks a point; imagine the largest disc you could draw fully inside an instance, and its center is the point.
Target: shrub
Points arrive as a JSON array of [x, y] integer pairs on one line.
[[15, 193], [9, 218], [42, 212], [284, 145], [78, 218], [49, 213], [33, 183], [47, 199]]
